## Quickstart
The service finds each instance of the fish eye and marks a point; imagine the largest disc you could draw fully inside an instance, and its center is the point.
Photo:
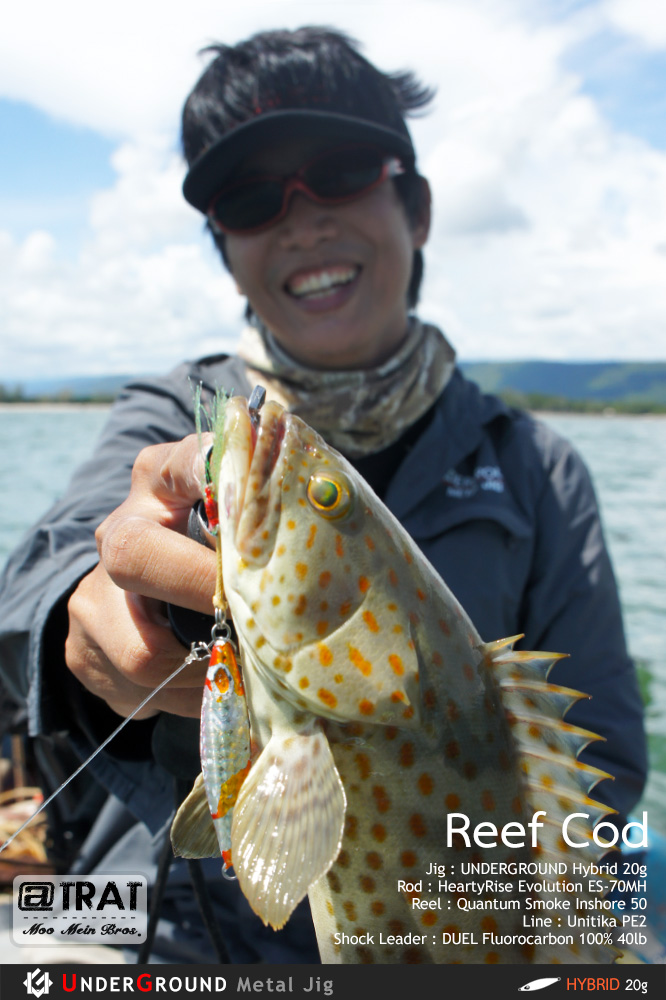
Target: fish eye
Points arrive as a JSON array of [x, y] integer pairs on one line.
[[330, 497]]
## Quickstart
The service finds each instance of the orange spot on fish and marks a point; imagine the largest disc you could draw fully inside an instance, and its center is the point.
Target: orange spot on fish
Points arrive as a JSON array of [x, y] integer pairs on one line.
[[492, 958], [322, 627], [291, 524], [414, 618], [407, 754], [398, 629], [437, 659], [377, 907], [396, 664], [343, 859], [338, 678], [360, 662], [379, 832], [369, 542], [393, 577], [304, 683], [429, 698], [397, 696], [429, 918], [468, 671], [345, 608], [363, 584], [425, 784], [370, 621], [327, 697], [275, 600], [311, 537], [324, 578], [339, 547], [363, 763], [408, 556], [374, 860], [452, 801], [391, 732], [409, 712], [351, 827], [367, 884], [301, 605], [444, 627], [301, 570], [408, 859], [420, 594], [489, 924], [417, 825], [488, 800], [366, 707], [382, 801]]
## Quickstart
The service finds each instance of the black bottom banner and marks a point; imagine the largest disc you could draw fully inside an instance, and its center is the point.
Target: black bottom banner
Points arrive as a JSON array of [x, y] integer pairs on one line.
[[349, 982]]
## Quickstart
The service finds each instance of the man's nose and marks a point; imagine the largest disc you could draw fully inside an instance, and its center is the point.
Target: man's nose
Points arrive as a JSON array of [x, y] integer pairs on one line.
[[307, 222]]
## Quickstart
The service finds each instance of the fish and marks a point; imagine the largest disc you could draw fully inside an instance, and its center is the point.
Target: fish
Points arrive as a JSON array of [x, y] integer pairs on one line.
[[539, 984], [379, 716]]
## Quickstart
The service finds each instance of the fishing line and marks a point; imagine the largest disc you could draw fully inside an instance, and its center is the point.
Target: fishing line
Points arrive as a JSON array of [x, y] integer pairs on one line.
[[199, 651]]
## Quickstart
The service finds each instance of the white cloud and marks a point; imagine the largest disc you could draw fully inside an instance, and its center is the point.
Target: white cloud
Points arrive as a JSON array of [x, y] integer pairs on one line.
[[643, 19], [548, 234]]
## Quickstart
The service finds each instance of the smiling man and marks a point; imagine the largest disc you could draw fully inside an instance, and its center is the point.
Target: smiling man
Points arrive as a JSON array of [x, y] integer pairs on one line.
[[303, 165]]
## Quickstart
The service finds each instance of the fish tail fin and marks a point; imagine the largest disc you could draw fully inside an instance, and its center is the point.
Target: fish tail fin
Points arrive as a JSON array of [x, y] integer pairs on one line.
[[555, 781]]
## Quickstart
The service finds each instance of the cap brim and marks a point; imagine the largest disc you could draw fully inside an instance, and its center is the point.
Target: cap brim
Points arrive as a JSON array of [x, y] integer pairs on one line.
[[216, 166]]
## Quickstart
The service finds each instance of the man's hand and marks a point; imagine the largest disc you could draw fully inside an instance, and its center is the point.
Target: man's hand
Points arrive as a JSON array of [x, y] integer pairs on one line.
[[119, 644]]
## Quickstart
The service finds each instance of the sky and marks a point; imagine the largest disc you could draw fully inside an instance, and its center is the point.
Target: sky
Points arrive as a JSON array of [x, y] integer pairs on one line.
[[545, 148]]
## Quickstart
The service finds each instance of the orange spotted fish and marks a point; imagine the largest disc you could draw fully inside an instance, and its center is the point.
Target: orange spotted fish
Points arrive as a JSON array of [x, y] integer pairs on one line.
[[378, 713]]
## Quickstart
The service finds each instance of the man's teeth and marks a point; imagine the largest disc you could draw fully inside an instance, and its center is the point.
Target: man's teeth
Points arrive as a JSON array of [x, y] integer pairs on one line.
[[321, 282]]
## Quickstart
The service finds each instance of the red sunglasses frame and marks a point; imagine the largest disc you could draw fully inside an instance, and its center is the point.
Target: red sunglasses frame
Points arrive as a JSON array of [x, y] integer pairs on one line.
[[392, 166]]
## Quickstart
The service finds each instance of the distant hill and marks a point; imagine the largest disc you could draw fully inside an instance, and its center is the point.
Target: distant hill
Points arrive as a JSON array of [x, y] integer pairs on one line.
[[606, 382], [636, 386]]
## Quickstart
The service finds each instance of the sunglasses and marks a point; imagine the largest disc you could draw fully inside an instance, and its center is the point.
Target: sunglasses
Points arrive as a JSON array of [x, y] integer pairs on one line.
[[331, 178]]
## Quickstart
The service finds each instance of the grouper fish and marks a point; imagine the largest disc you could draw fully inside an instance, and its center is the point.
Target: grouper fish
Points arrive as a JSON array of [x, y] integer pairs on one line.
[[384, 730]]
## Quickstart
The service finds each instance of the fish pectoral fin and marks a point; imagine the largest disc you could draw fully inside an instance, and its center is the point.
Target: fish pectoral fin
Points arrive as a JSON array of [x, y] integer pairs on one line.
[[193, 831], [288, 823]]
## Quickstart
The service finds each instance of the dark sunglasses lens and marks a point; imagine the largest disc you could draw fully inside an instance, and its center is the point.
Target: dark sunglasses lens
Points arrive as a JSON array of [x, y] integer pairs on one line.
[[344, 172], [248, 205]]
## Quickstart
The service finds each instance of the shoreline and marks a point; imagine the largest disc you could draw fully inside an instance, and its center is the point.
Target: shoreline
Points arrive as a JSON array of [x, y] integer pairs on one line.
[[49, 406], [72, 406]]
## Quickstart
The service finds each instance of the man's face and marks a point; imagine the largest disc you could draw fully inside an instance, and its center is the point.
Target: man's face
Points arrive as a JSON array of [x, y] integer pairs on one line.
[[329, 281]]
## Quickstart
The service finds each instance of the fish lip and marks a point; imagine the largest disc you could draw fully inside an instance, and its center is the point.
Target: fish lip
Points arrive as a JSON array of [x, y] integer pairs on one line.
[[256, 511]]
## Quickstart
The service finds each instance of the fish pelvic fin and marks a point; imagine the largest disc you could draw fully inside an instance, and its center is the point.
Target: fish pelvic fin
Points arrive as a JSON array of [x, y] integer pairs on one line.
[[193, 831], [288, 823]]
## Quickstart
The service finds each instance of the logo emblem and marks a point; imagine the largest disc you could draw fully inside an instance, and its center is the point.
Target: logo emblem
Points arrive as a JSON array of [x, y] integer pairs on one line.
[[37, 983], [538, 984], [36, 896]]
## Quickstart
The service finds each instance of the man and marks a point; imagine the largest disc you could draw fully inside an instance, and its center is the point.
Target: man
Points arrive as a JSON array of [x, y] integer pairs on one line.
[[301, 159]]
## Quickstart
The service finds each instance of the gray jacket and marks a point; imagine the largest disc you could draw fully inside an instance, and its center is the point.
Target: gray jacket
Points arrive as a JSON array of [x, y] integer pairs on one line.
[[501, 505]]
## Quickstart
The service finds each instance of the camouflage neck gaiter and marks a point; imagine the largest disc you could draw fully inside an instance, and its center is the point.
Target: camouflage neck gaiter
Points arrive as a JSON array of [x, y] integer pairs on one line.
[[359, 411]]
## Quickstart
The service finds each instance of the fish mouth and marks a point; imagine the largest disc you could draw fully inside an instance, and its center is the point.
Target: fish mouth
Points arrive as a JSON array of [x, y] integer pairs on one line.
[[249, 486]]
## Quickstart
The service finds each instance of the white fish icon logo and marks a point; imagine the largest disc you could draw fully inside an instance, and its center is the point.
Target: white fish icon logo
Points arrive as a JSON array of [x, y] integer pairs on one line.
[[538, 984]]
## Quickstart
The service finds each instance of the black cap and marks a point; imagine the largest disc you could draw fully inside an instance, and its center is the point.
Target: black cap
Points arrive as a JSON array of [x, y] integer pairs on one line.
[[216, 166]]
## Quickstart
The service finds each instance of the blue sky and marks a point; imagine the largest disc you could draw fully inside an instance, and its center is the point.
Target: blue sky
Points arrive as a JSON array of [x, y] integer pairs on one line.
[[545, 148]]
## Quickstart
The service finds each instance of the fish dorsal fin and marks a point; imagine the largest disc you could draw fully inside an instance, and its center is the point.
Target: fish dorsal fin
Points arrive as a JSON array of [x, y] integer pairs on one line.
[[288, 823], [193, 831], [556, 783]]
